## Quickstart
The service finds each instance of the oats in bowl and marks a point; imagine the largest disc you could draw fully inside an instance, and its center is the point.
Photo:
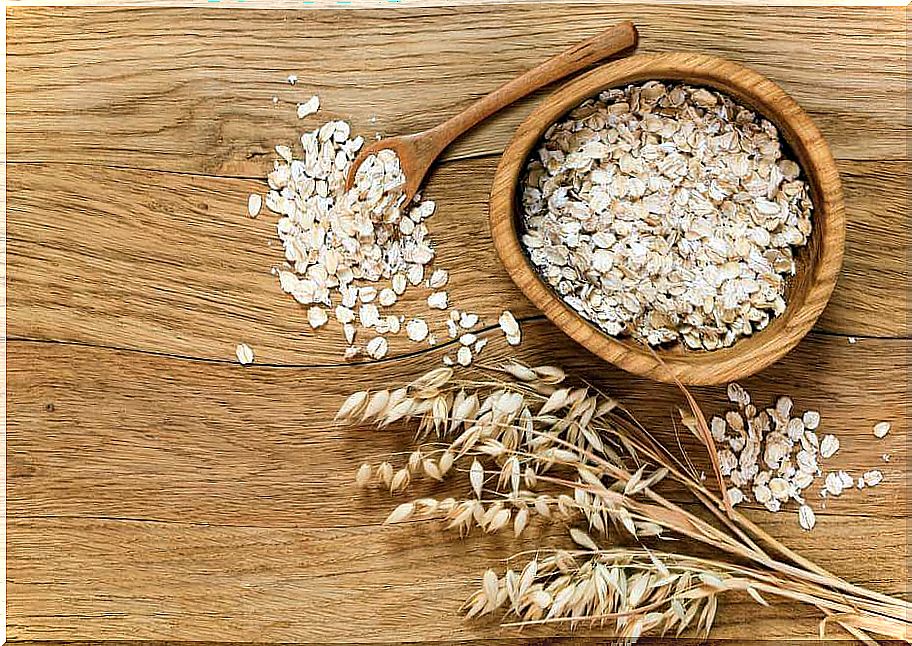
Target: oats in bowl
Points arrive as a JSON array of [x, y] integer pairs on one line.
[[666, 212]]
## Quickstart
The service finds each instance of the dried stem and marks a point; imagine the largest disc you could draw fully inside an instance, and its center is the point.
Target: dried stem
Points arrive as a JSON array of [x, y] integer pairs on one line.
[[535, 449]]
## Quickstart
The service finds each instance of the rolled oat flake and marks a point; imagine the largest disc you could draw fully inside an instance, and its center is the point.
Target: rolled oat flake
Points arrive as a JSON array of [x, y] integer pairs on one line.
[[806, 517], [666, 212]]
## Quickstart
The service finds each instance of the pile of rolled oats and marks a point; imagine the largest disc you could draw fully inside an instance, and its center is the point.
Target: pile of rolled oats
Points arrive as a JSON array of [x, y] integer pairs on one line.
[[666, 212], [351, 255], [773, 455]]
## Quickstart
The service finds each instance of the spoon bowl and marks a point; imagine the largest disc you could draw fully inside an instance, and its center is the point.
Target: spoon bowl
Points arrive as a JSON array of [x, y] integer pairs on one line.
[[416, 153], [817, 263]]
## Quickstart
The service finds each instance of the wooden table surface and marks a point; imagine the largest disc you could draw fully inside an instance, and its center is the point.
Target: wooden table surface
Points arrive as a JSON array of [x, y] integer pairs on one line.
[[158, 490]]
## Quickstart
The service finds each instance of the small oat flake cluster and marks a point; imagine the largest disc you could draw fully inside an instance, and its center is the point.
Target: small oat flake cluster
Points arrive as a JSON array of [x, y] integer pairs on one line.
[[666, 212], [773, 456]]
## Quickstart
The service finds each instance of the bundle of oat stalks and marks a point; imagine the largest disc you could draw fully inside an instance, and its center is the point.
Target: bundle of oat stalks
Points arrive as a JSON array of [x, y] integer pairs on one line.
[[536, 450]]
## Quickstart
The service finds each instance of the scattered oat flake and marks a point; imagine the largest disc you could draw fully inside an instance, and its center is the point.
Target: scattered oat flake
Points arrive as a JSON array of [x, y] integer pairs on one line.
[[284, 152], [349, 296], [717, 428], [317, 317], [275, 100], [468, 339], [873, 478], [394, 323], [399, 283], [415, 274], [387, 297], [292, 79], [254, 204], [802, 480], [480, 344], [287, 281], [508, 323], [779, 488], [467, 321], [368, 315], [377, 347], [244, 354], [351, 352], [881, 429], [833, 484], [811, 419], [464, 356], [438, 279], [437, 300], [784, 406], [852, 340], [846, 479], [735, 496], [737, 394], [309, 107], [510, 327], [828, 446], [349, 331], [452, 330], [447, 360], [885, 457], [416, 329], [367, 294], [806, 517]]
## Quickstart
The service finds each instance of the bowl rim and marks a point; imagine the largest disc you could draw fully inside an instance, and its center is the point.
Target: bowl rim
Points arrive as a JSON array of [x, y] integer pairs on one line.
[[749, 354]]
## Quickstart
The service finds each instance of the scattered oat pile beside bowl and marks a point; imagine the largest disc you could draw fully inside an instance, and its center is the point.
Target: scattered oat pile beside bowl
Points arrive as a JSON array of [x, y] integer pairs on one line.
[[666, 212], [350, 254]]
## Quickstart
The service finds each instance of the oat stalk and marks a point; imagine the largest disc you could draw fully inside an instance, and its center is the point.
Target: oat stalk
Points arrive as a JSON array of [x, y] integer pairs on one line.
[[536, 450]]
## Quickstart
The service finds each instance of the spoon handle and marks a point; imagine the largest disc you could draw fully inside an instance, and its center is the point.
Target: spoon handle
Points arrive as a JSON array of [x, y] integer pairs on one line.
[[604, 44]]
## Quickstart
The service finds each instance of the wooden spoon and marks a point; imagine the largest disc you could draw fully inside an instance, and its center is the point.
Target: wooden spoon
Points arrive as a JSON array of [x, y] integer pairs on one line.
[[418, 151]]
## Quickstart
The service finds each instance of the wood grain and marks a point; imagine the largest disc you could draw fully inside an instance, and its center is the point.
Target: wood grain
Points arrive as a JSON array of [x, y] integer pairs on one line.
[[157, 490], [165, 498], [817, 265], [191, 90], [103, 579], [165, 262], [154, 432], [418, 151]]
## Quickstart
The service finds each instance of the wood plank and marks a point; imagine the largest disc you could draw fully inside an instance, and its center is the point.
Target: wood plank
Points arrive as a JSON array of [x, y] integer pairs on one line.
[[170, 263], [157, 490], [876, 279], [103, 579], [186, 441], [413, 4], [99, 506], [191, 90], [128, 513]]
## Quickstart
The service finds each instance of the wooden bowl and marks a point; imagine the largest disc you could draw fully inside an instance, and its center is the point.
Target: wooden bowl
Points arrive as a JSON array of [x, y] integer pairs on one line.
[[817, 263]]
